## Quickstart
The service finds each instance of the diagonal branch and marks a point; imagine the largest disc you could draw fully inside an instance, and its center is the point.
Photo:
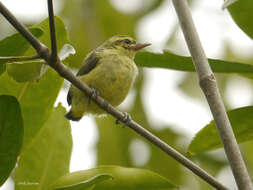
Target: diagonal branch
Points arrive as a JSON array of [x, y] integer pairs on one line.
[[209, 86], [67, 74]]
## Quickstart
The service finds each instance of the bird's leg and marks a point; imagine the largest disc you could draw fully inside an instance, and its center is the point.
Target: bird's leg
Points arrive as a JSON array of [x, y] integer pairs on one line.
[[94, 94], [126, 120]]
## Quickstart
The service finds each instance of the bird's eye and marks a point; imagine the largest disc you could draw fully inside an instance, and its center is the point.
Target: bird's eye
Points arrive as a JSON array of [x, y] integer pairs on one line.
[[126, 41]]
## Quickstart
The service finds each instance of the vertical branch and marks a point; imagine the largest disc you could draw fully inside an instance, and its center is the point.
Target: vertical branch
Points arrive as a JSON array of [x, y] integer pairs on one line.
[[209, 86], [52, 31]]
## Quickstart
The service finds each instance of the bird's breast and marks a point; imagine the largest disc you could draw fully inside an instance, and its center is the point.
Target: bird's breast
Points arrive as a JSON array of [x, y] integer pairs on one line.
[[113, 77]]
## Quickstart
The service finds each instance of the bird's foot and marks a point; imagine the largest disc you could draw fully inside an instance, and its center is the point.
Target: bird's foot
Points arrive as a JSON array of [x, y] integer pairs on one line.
[[126, 119], [94, 94]]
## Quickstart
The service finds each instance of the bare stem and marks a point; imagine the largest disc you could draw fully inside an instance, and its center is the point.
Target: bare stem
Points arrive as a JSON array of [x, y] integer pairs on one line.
[[67, 74], [209, 86], [52, 31], [18, 58]]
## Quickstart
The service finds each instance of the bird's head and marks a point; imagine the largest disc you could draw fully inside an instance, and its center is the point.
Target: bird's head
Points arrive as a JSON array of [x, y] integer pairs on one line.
[[126, 45]]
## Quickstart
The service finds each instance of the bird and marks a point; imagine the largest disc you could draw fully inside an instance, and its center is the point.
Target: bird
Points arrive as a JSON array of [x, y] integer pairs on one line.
[[110, 71]]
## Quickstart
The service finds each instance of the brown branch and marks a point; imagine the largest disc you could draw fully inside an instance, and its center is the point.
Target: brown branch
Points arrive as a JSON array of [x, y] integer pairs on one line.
[[209, 87], [67, 74]]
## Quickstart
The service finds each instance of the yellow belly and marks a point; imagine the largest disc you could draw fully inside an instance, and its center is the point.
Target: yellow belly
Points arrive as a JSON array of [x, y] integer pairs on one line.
[[112, 79]]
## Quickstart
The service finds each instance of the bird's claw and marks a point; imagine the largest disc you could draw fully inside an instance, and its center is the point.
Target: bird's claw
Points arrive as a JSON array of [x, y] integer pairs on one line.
[[126, 119], [94, 94]]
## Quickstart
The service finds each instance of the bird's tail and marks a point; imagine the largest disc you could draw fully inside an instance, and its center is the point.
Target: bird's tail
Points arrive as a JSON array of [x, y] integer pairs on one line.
[[70, 116]]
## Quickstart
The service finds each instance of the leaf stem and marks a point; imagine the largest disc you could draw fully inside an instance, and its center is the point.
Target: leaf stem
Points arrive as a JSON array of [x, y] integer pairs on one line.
[[68, 75], [18, 58], [209, 87]]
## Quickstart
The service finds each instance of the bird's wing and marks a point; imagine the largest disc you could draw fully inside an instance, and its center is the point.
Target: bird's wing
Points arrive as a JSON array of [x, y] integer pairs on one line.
[[69, 97], [90, 63]]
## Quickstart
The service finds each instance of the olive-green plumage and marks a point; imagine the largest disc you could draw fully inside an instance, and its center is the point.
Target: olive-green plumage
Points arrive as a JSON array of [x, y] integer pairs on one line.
[[110, 69]]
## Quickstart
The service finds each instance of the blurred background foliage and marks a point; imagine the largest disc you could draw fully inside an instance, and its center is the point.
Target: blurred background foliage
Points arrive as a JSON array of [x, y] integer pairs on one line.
[[89, 23]]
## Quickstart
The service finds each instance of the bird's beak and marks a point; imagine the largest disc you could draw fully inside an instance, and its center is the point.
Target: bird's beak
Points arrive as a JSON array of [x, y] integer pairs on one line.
[[139, 46]]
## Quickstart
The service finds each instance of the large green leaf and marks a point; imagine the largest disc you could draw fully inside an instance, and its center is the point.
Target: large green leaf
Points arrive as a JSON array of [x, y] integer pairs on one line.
[[37, 98], [2, 68], [15, 45], [208, 138], [34, 70], [122, 178], [11, 135], [169, 60], [26, 71], [241, 12], [48, 155], [87, 184]]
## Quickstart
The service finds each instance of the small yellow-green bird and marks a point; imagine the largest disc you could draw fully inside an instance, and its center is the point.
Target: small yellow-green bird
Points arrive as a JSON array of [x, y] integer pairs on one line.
[[110, 70]]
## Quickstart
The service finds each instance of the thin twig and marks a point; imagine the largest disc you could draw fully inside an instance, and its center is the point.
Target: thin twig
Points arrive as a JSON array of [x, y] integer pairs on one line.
[[67, 74], [211, 91], [52, 31], [18, 58]]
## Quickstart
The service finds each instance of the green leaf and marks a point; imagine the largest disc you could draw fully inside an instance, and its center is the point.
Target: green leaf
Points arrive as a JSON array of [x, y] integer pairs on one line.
[[88, 184], [15, 45], [208, 138], [34, 70], [169, 60], [122, 178], [61, 33], [2, 68], [11, 135], [37, 98], [241, 12], [28, 72], [48, 156]]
